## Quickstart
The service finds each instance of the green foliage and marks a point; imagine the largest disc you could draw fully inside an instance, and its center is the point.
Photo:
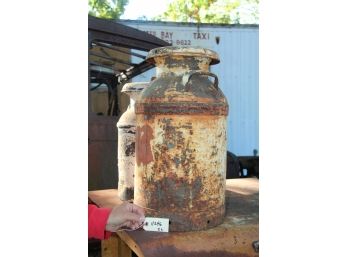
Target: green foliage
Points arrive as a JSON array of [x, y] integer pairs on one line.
[[200, 11], [107, 9], [248, 12]]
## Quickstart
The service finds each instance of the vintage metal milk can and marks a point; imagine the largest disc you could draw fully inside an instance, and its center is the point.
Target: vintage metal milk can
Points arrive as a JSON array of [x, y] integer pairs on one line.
[[126, 142], [181, 140]]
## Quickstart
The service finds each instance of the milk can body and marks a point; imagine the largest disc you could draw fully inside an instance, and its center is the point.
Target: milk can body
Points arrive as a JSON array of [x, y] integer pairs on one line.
[[180, 165], [126, 142]]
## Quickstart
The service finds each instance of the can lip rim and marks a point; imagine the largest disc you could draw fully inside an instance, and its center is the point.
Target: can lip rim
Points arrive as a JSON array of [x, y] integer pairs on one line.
[[183, 51], [134, 86]]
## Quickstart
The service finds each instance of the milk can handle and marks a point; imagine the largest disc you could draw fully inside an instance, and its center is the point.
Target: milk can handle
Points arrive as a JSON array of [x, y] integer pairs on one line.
[[186, 78]]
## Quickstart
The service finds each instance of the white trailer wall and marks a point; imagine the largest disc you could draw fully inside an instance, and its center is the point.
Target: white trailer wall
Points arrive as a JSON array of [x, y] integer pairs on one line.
[[238, 71]]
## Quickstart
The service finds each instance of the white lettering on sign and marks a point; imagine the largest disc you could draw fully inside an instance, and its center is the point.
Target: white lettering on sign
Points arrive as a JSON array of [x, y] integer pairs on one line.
[[156, 224]]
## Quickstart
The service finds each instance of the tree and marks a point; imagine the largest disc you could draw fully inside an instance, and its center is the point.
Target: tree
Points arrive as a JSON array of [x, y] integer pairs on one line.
[[247, 12], [212, 11], [200, 11], [107, 9]]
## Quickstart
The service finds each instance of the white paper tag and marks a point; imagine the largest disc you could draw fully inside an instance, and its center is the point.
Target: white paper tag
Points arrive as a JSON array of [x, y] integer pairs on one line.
[[156, 224]]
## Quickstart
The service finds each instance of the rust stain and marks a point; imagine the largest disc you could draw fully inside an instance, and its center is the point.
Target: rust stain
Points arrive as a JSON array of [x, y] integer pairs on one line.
[[180, 52], [185, 182], [143, 150], [182, 108], [181, 141]]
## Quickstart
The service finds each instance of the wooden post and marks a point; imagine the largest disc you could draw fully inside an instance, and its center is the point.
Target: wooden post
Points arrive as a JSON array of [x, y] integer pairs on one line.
[[115, 247]]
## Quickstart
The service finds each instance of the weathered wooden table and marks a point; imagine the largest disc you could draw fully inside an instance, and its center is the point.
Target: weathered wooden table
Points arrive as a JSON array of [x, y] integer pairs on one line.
[[234, 237]]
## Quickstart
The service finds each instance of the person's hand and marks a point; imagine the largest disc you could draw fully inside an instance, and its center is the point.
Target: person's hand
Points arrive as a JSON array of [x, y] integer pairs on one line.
[[126, 215]]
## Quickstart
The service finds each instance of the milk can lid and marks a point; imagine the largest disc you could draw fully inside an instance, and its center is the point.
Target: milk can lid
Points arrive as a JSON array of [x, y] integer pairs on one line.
[[134, 86], [183, 51]]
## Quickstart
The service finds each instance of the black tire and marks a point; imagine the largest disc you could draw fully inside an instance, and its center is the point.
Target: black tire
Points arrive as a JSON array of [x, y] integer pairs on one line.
[[233, 167]]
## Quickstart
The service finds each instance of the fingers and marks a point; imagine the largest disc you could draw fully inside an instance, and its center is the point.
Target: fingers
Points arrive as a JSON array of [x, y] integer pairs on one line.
[[135, 218], [125, 215], [131, 225], [137, 210]]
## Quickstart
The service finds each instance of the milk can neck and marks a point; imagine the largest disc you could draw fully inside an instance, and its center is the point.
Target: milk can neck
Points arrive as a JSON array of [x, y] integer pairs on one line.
[[131, 103], [180, 64], [133, 97]]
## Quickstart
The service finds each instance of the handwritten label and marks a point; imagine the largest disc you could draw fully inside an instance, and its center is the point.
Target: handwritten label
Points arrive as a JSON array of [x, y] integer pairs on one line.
[[156, 224]]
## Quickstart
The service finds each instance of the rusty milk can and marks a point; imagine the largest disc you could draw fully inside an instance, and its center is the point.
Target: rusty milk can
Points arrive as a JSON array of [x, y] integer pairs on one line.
[[126, 142], [181, 140]]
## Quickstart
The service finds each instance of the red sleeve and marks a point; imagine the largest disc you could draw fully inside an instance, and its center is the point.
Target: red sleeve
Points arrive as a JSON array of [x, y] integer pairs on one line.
[[97, 218]]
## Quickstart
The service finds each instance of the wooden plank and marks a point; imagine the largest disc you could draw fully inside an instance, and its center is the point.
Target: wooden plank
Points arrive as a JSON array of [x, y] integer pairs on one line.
[[124, 250], [109, 247], [105, 198], [131, 243], [115, 247]]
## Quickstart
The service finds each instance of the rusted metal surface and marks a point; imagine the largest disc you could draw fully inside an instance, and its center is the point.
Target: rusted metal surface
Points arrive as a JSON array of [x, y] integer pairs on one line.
[[235, 237], [181, 141], [101, 128], [173, 108], [177, 51], [102, 152], [126, 142]]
